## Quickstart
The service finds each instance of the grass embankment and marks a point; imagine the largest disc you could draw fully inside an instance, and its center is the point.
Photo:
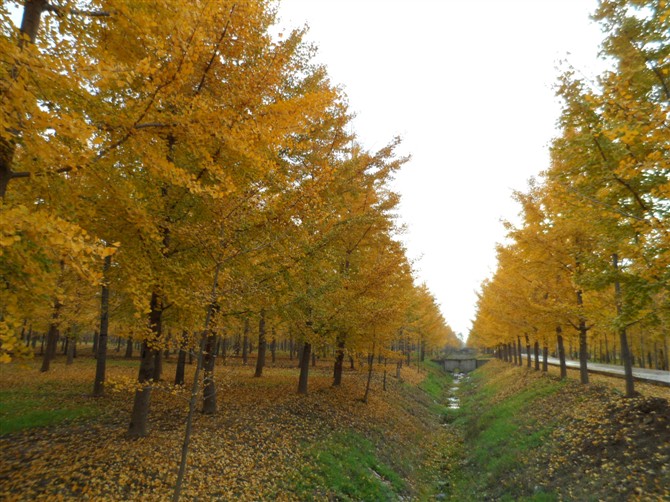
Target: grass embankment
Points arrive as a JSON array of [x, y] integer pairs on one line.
[[265, 443], [528, 436]]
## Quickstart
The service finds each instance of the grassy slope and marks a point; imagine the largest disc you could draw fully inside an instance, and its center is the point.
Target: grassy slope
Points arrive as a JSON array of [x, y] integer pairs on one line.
[[532, 437]]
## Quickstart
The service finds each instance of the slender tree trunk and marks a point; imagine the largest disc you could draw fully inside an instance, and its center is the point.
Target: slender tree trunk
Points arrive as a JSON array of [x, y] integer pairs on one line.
[[339, 361], [623, 339], [189, 423], [528, 350], [95, 344], [545, 355], [304, 368], [209, 406], [536, 351], [262, 344], [158, 365], [181, 366], [518, 349], [71, 350], [273, 347], [129, 349], [371, 360], [209, 385], [245, 342], [583, 356], [607, 350], [52, 338], [140, 414], [561, 353]]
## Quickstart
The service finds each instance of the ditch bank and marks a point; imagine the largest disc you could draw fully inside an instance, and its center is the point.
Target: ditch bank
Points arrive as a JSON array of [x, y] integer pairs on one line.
[[519, 434]]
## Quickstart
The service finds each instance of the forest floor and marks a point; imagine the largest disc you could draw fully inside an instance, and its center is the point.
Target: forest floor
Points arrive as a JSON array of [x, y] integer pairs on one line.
[[265, 443], [518, 435]]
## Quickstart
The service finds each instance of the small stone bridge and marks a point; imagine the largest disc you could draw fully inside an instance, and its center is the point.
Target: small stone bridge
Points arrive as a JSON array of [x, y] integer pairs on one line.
[[462, 364]]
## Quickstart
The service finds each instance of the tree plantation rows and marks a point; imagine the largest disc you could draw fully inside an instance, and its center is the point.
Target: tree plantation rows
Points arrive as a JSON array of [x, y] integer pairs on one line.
[[181, 177], [586, 272]]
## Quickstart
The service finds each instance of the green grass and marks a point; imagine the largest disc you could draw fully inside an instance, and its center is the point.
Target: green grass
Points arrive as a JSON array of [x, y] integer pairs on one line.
[[30, 406], [498, 436], [348, 465]]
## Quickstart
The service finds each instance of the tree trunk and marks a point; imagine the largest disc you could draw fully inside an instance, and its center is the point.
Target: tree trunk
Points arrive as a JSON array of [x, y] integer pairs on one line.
[[209, 385], [209, 362], [52, 338], [561, 353], [304, 368], [95, 343], [71, 350], [181, 366], [273, 347], [518, 340], [583, 356], [536, 351], [339, 361], [245, 342], [262, 344], [371, 360], [189, 423], [623, 339], [140, 414], [528, 351], [545, 354], [129, 349], [158, 365]]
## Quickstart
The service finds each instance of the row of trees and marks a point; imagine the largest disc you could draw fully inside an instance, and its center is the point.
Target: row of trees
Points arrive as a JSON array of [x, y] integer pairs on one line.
[[590, 260], [167, 166]]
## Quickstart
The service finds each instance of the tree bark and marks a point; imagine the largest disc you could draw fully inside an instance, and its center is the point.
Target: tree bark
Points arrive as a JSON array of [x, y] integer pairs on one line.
[[371, 360], [129, 348], [339, 361], [536, 351], [545, 355], [262, 344], [304, 368], [623, 338], [245, 342], [71, 350], [273, 349], [181, 366], [140, 414], [583, 355], [52, 338], [209, 385], [518, 340], [561, 353], [528, 351]]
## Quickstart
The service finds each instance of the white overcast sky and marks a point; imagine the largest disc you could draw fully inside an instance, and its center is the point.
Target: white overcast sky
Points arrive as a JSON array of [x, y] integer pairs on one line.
[[468, 85]]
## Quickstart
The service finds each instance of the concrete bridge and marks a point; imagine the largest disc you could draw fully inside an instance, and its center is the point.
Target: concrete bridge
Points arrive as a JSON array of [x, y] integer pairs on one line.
[[463, 365]]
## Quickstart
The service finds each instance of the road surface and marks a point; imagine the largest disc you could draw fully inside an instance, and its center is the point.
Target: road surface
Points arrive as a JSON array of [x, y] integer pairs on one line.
[[645, 375]]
